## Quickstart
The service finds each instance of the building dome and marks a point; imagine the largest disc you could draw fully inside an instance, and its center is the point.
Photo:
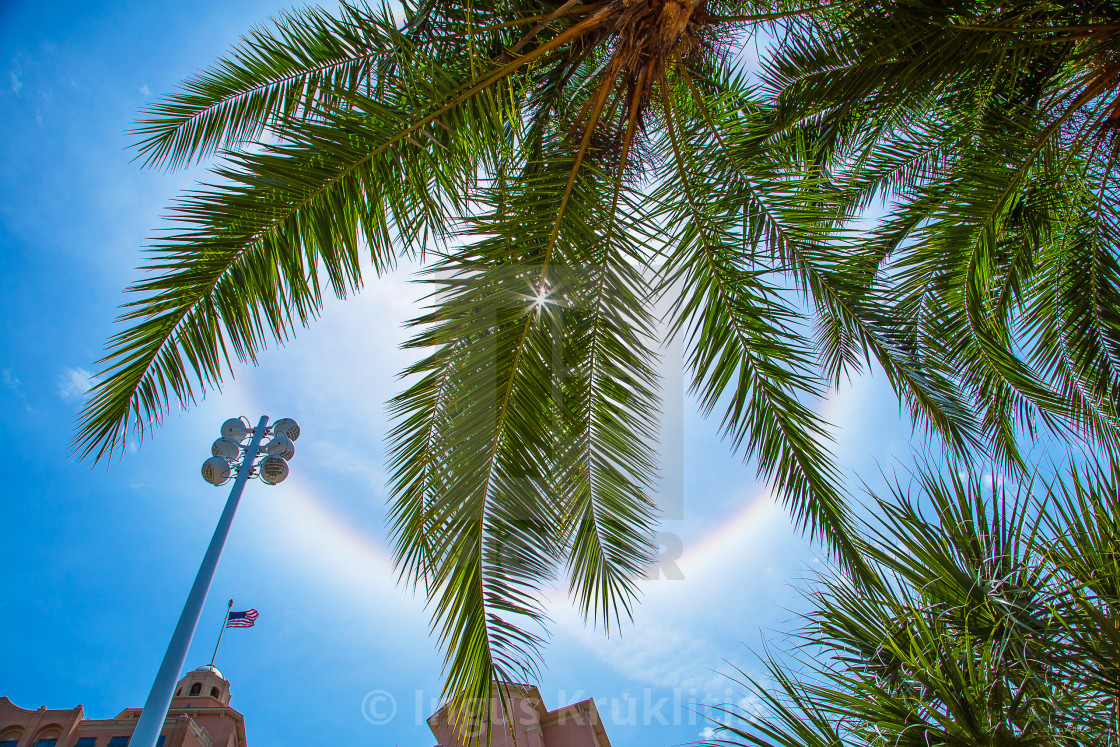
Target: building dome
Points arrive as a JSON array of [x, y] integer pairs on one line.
[[203, 682]]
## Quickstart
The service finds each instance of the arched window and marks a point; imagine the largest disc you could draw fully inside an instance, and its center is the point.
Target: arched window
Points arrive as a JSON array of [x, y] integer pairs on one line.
[[10, 736], [215, 693], [196, 688], [178, 692], [48, 736]]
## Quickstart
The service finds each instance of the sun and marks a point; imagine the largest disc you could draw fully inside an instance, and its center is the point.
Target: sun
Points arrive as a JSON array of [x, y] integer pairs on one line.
[[541, 297]]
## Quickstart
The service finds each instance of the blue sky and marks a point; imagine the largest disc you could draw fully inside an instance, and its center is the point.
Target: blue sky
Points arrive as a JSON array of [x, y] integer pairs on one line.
[[97, 562]]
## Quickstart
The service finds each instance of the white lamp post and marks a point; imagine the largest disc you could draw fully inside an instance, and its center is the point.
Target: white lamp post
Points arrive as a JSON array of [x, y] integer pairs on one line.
[[231, 455]]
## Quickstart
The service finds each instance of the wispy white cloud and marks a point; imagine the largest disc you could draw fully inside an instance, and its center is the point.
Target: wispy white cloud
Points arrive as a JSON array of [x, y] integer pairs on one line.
[[8, 379], [15, 78], [144, 90], [74, 384]]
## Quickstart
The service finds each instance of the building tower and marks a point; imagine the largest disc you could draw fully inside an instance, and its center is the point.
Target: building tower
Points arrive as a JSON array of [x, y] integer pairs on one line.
[[527, 722]]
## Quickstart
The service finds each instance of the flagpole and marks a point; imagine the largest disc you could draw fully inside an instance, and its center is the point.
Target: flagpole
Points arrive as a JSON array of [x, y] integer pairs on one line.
[[155, 708], [225, 623]]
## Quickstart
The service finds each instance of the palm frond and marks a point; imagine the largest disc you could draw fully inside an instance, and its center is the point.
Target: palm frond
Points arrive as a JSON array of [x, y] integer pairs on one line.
[[529, 432], [248, 265], [275, 77], [742, 341]]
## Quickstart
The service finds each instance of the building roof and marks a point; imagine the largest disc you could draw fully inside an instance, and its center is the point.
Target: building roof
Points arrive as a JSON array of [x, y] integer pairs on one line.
[[210, 668]]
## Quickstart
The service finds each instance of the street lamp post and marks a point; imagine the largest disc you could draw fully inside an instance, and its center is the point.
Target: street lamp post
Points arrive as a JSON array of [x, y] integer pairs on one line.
[[230, 455]]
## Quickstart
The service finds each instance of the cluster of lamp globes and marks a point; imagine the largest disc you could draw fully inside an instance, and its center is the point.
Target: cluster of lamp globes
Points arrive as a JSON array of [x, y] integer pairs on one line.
[[227, 450]]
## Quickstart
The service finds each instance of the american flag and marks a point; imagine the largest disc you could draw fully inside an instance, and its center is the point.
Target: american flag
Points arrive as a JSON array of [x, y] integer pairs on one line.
[[244, 619]]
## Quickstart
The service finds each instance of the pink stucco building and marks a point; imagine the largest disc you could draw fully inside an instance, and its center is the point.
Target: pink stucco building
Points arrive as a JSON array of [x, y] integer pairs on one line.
[[531, 723], [199, 716]]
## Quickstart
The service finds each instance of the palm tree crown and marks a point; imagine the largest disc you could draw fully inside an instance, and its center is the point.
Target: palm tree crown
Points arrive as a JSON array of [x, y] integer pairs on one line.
[[559, 167], [994, 622]]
